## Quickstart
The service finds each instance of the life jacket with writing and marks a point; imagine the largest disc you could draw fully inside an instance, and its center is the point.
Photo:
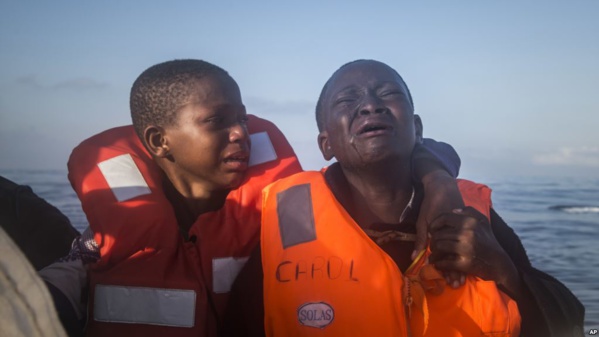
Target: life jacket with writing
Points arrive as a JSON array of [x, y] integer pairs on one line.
[[150, 281], [323, 276]]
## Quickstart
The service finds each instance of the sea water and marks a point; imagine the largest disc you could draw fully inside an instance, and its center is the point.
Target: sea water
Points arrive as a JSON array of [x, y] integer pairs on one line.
[[556, 218]]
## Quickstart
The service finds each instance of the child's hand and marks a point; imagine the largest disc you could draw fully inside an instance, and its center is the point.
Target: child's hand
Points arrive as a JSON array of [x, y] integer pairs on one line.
[[463, 241], [441, 195]]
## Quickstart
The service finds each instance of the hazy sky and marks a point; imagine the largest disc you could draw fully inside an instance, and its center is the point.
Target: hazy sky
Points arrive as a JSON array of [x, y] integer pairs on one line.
[[513, 86]]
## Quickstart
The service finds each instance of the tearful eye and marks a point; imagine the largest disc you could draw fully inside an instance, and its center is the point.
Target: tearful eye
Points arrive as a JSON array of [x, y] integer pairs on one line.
[[345, 101], [215, 120]]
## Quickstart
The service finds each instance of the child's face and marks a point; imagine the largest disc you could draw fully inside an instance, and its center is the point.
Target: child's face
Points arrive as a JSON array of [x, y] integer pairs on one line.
[[369, 117], [209, 142]]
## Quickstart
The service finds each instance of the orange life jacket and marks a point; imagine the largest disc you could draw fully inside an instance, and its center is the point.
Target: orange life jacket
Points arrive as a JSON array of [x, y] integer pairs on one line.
[[149, 281], [323, 276]]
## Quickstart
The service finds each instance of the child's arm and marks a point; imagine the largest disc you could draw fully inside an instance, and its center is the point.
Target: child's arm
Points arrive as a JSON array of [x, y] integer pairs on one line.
[[435, 166], [67, 282]]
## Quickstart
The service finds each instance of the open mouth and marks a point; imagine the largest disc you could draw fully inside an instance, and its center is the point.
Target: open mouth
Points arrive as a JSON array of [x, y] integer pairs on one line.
[[237, 160], [371, 129]]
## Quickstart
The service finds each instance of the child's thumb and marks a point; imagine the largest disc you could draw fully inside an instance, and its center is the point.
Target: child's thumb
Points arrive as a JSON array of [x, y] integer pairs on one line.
[[421, 236]]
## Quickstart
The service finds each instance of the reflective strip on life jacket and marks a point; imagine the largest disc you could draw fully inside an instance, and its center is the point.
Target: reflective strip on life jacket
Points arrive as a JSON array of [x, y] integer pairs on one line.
[[296, 218], [121, 304], [123, 177], [262, 151], [225, 271]]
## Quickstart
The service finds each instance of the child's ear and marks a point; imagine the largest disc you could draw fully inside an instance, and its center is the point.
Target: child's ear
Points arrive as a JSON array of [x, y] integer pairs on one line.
[[154, 137], [419, 128], [325, 145]]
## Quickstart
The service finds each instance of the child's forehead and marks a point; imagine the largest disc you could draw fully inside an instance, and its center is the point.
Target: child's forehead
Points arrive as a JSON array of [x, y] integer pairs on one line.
[[214, 83], [212, 89], [363, 73]]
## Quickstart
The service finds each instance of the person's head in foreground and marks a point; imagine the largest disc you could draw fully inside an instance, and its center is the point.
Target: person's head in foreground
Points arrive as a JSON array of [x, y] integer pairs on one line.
[[190, 117], [365, 116]]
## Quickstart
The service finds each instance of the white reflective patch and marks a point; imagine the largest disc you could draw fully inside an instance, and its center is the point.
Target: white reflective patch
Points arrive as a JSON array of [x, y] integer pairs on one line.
[[317, 315], [225, 271], [139, 305], [262, 150], [123, 177]]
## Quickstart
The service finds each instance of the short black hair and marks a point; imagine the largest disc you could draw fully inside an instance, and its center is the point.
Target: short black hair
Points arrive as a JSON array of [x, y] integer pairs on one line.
[[319, 104], [158, 93]]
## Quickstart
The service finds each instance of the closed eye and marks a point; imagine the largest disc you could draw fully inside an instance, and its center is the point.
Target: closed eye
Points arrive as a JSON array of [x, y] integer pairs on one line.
[[390, 89], [345, 100], [391, 93]]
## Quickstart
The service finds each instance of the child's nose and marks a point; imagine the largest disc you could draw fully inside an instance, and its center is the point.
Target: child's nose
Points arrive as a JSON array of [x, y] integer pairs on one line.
[[372, 104], [238, 133]]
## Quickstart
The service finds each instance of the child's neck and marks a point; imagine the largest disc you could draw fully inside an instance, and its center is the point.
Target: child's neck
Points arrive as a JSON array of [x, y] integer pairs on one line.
[[378, 197], [189, 202]]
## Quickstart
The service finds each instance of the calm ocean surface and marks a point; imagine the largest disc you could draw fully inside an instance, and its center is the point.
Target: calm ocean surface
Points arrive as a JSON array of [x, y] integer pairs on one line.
[[558, 221]]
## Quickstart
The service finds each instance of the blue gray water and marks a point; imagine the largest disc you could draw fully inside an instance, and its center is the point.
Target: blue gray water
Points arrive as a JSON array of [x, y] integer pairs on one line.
[[557, 219], [558, 222]]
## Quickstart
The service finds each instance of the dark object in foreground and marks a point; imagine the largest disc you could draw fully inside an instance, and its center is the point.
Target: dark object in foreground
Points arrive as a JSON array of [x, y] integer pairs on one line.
[[40, 230]]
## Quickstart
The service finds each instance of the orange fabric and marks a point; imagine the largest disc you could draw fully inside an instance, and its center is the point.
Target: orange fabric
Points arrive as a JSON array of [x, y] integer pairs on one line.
[[369, 295], [140, 242]]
